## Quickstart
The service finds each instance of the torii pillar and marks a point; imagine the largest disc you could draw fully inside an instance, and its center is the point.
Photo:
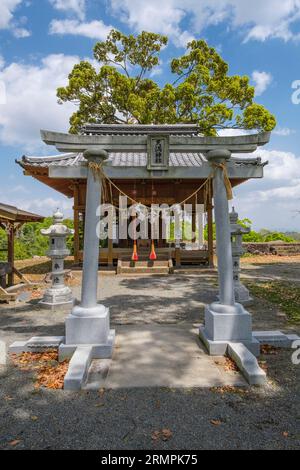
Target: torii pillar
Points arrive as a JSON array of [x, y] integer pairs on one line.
[[88, 333], [225, 321]]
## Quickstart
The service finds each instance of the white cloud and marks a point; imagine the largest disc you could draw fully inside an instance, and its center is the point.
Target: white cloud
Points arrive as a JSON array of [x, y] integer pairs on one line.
[[7, 8], [278, 193], [278, 212], [256, 19], [283, 192], [19, 189], [160, 17], [94, 29], [233, 132], [7, 21], [48, 205], [44, 205], [74, 6], [156, 72], [283, 131], [31, 100], [261, 80], [21, 33], [283, 166]]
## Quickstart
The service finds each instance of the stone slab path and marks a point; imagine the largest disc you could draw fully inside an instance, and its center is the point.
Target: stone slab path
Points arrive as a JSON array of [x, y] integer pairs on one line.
[[160, 356]]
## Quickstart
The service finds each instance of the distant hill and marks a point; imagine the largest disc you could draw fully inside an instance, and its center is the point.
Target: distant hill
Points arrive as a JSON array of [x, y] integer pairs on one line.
[[294, 235]]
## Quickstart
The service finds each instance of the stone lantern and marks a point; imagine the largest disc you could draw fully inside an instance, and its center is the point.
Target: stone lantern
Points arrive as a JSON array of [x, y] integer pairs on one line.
[[237, 231], [58, 293]]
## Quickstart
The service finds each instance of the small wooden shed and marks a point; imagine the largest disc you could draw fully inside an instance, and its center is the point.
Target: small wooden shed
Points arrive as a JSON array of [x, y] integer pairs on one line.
[[11, 219]]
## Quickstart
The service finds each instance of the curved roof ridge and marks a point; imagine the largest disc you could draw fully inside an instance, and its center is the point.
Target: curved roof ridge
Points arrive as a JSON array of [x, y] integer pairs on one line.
[[49, 158]]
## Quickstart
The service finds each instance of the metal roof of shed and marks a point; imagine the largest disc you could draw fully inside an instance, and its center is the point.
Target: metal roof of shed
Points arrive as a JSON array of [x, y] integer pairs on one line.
[[13, 214]]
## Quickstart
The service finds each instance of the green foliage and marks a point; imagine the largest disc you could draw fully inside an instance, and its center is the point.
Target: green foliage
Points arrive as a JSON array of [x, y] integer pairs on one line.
[[122, 91], [276, 236], [3, 245], [30, 242], [253, 236], [206, 232], [186, 229]]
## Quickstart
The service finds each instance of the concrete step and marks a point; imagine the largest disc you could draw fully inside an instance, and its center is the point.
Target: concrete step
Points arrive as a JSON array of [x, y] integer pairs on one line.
[[145, 267], [145, 264], [138, 271]]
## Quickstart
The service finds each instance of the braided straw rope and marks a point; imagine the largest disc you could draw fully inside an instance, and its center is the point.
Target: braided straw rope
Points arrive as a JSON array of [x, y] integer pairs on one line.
[[99, 174], [223, 167]]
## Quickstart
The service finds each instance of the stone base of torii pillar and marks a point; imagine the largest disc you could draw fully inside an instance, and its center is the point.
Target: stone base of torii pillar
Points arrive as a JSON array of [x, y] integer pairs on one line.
[[87, 328]]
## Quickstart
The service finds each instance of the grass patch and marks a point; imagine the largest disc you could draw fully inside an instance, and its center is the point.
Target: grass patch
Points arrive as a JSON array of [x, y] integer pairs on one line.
[[285, 295]]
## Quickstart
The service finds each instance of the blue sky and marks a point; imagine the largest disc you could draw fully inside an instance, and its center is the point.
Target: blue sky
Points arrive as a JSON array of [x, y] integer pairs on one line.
[[41, 40]]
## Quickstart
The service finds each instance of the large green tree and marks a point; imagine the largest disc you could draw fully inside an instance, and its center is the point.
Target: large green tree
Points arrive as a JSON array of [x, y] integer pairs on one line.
[[121, 90]]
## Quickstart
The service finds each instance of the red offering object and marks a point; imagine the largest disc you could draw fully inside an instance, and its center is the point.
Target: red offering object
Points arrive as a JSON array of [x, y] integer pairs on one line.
[[135, 256], [152, 256]]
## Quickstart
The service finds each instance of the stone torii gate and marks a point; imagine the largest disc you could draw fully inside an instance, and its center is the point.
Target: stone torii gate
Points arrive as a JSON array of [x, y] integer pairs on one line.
[[228, 326]]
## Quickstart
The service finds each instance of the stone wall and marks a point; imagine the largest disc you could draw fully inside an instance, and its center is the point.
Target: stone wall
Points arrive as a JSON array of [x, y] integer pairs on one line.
[[274, 248]]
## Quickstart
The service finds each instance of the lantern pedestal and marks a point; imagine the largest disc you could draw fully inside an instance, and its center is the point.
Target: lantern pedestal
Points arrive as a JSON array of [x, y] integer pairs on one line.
[[55, 297]]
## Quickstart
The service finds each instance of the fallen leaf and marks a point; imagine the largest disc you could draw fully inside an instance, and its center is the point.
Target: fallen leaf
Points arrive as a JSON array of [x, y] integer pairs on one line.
[[15, 442], [34, 418], [263, 365], [50, 372], [155, 435], [267, 349], [229, 389], [285, 434], [230, 365], [216, 422], [166, 434]]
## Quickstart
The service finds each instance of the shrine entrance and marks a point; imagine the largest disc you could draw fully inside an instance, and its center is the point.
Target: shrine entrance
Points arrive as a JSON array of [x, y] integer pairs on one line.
[[146, 162]]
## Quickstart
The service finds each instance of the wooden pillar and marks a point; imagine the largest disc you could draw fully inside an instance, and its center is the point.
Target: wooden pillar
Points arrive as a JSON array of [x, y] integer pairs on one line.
[[110, 245], [194, 223], [11, 253], [178, 257], [110, 259], [76, 223], [160, 240], [210, 231]]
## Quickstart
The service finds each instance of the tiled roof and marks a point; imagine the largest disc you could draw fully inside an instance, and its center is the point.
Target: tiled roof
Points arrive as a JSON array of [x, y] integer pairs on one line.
[[120, 159], [127, 159]]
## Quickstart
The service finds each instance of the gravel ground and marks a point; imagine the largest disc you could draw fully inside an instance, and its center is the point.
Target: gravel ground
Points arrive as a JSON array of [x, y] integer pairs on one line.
[[247, 418], [126, 419]]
